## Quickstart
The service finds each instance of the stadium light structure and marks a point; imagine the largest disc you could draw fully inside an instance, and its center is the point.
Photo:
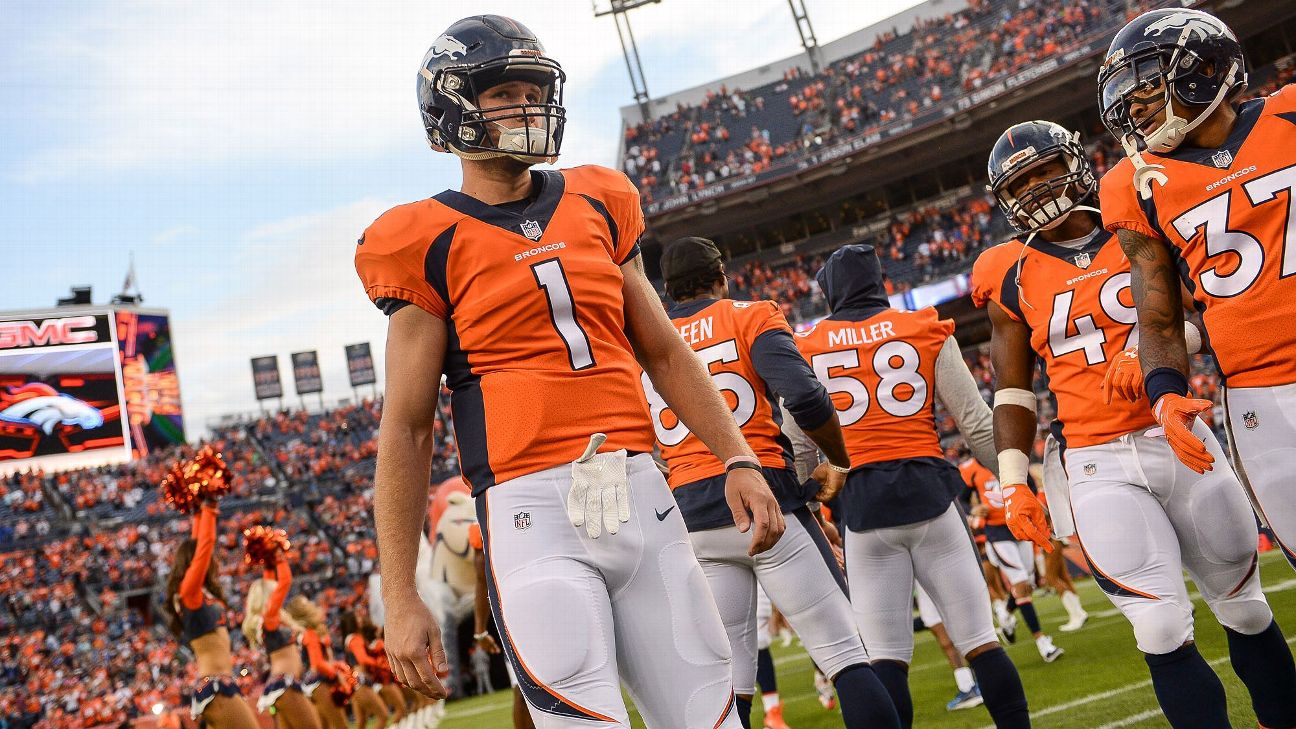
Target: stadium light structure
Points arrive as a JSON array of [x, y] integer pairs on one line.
[[618, 9], [806, 31]]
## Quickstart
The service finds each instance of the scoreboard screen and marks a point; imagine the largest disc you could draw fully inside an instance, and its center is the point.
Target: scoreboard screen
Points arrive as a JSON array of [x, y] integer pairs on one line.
[[86, 386]]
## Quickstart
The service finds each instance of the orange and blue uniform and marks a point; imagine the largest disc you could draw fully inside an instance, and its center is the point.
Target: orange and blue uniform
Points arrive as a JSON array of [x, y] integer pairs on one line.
[[274, 635], [538, 356], [1227, 216], [748, 349], [1079, 307], [199, 613], [879, 365]]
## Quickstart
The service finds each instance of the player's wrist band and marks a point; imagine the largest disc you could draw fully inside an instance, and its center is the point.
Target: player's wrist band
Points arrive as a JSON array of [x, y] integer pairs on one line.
[[482, 635], [1164, 381], [743, 461], [834, 467]]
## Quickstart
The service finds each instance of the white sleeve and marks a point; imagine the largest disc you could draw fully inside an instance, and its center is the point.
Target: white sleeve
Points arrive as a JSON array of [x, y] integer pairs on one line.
[[958, 393], [805, 454]]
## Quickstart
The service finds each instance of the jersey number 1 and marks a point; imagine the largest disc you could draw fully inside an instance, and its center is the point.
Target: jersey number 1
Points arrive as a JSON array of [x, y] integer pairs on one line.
[[550, 277]]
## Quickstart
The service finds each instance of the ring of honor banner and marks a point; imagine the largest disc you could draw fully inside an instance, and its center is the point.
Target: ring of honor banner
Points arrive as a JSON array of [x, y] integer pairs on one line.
[[360, 364], [306, 372], [265, 377]]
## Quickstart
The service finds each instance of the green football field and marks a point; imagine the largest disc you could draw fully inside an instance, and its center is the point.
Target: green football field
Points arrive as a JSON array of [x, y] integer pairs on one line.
[[1102, 680]]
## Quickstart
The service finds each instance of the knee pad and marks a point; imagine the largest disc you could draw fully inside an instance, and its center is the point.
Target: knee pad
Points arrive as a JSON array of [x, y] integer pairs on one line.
[[693, 608], [1248, 616], [1161, 628], [552, 626]]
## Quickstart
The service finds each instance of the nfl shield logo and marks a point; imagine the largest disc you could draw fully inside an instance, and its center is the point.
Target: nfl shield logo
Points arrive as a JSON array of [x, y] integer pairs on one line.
[[531, 229], [1082, 260], [1090, 469], [1223, 159], [1250, 420], [522, 520]]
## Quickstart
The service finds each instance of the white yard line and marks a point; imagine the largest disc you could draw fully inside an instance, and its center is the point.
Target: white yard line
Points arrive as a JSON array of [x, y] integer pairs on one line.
[[1131, 720]]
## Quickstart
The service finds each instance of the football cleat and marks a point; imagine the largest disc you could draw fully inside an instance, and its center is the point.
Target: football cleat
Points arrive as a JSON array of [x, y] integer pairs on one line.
[[774, 718], [824, 688], [1008, 627], [966, 699], [1047, 650]]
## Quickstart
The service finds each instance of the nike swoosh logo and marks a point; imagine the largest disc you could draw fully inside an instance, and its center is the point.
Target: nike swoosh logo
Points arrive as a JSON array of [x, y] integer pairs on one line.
[[661, 515]]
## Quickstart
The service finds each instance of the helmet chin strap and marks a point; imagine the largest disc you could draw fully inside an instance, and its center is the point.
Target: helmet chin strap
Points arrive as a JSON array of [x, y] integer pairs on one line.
[[1169, 136]]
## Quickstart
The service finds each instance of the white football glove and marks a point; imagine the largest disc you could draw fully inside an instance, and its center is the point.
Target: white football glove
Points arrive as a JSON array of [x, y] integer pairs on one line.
[[600, 494]]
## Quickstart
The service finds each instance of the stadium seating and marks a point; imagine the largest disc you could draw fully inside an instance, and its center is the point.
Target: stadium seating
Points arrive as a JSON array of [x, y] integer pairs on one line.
[[900, 78]]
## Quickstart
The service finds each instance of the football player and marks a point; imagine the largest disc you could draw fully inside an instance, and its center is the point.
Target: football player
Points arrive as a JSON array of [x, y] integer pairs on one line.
[[1205, 197], [1014, 558], [884, 370], [526, 288], [753, 360], [1140, 516]]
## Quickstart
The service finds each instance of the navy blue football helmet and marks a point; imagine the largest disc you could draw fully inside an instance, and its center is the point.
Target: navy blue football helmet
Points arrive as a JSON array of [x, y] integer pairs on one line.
[[472, 56], [1023, 147], [1168, 59]]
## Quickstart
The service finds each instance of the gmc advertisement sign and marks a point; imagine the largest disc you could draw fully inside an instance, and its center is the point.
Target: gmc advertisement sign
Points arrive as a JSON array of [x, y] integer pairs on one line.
[[53, 332]]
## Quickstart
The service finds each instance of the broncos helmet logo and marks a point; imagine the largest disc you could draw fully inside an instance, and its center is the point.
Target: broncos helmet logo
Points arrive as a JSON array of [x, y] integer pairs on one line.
[[448, 45], [1191, 24], [40, 405]]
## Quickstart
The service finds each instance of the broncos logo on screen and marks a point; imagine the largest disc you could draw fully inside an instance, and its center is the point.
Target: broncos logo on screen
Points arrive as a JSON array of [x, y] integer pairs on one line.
[[1190, 23], [40, 405], [448, 45]]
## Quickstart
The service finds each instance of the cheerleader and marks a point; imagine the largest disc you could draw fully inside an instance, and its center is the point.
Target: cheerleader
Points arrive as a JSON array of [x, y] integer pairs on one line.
[[328, 683], [197, 617], [266, 624], [365, 703]]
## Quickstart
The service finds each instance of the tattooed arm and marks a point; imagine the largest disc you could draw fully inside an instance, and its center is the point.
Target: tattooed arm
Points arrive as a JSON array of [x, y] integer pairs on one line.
[[1159, 302]]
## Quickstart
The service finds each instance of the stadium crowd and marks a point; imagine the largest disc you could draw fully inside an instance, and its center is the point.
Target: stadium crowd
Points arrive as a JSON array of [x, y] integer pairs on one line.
[[898, 79]]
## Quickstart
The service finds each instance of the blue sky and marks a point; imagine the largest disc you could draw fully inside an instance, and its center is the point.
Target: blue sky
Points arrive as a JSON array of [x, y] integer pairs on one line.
[[238, 149]]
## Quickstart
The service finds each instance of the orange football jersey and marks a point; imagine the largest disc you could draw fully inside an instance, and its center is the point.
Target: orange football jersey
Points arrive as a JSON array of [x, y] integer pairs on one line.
[[1230, 219], [880, 373], [978, 477], [1080, 311], [538, 358], [722, 334]]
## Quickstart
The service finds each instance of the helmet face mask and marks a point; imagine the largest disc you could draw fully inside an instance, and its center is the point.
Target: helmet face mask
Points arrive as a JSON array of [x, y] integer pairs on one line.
[[472, 57], [1045, 204]]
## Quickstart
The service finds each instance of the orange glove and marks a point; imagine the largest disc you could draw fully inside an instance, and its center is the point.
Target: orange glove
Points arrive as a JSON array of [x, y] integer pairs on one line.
[[1176, 414], [1124, 377], [1025, 515]]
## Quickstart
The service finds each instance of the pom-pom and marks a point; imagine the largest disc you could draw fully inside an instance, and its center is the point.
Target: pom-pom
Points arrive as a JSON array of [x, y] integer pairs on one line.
[[187, 483], [207, 473], [344, 684], [179, 494], [263, 544]]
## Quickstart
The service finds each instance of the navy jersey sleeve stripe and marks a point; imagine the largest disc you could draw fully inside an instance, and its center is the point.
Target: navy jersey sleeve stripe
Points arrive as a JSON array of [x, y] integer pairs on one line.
[[777, 361], [435, 262]]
